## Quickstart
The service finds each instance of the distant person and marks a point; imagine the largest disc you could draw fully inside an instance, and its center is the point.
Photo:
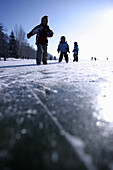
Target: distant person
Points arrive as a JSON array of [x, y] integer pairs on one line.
[[76, 49], [63, 48], [43, 32], [4, 57], [54, 57], [91, 58]]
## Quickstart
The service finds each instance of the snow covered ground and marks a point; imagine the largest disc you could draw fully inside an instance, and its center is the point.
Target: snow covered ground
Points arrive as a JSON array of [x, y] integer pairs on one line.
[[56, 116]]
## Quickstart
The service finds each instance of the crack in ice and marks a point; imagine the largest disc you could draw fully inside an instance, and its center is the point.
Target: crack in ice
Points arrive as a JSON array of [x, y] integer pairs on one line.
[[75, 142]]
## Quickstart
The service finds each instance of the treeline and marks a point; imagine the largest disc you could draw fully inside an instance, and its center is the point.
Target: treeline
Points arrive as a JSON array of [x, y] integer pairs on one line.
[[15, 45]]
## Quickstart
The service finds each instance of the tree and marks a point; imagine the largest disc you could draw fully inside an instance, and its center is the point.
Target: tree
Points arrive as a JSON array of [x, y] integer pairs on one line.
[[15, 45], [13, 48], [21, 39], [24, 49], [3, 42], [30, 52]]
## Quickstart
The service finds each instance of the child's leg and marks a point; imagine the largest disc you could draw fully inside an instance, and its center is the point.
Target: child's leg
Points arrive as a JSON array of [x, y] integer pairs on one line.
[[61, 57], [44, 54], [74, 55], [76, 58], [66, 57], [39, 53]]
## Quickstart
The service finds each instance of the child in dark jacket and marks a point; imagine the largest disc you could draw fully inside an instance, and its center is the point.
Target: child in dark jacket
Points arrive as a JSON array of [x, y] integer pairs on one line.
[[63, 48], [76, 49], [43, 32]]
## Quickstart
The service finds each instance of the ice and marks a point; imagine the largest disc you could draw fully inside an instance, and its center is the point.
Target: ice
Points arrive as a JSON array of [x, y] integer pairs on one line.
[[41, 125], [1, 115], [53, 143], [3, 153], [18, 136], [32, 112], [60, 103], [55, 156], [23, 131]]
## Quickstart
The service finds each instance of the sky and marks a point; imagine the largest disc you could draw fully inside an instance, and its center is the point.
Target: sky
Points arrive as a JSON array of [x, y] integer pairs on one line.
[[89, 22]]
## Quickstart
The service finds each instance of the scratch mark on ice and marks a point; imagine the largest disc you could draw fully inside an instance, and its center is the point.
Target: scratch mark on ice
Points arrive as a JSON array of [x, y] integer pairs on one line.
[[75, 142]]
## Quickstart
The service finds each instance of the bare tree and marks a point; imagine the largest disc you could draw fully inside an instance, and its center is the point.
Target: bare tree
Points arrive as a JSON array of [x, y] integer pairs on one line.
[[21, 39], [20, 34]]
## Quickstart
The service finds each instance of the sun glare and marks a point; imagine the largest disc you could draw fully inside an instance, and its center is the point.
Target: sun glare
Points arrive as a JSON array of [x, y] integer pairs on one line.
[[105, 97], [97, 40], [106, 105]]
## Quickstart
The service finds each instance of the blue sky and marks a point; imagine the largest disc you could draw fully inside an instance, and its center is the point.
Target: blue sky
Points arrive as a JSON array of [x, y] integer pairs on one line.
[[76, 20]]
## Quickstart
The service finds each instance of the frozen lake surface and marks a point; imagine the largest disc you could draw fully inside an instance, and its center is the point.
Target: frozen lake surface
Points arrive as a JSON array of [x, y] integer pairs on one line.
[[56, 116]]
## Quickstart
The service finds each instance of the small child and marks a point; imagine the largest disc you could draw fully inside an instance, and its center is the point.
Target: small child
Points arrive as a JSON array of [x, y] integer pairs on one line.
[[76, 49], [63, 48], [43, 32]]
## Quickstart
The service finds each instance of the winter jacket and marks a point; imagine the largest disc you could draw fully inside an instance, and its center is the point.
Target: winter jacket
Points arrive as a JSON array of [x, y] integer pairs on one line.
[[43, 32], [63, 47], [76, 49]]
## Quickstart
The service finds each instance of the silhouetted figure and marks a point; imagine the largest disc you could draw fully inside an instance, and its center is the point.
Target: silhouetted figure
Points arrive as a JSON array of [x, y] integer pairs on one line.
[[54, 57], [4, 57], [43, 32], [95, 58], [63, 48], [50, 57], [76, 49], [91, 58]]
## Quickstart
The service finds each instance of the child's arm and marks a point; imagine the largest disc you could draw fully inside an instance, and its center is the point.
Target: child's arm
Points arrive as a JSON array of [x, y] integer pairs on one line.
[[58, 48], [67, 48], [49, 32], [74, 50], [34, 31]]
